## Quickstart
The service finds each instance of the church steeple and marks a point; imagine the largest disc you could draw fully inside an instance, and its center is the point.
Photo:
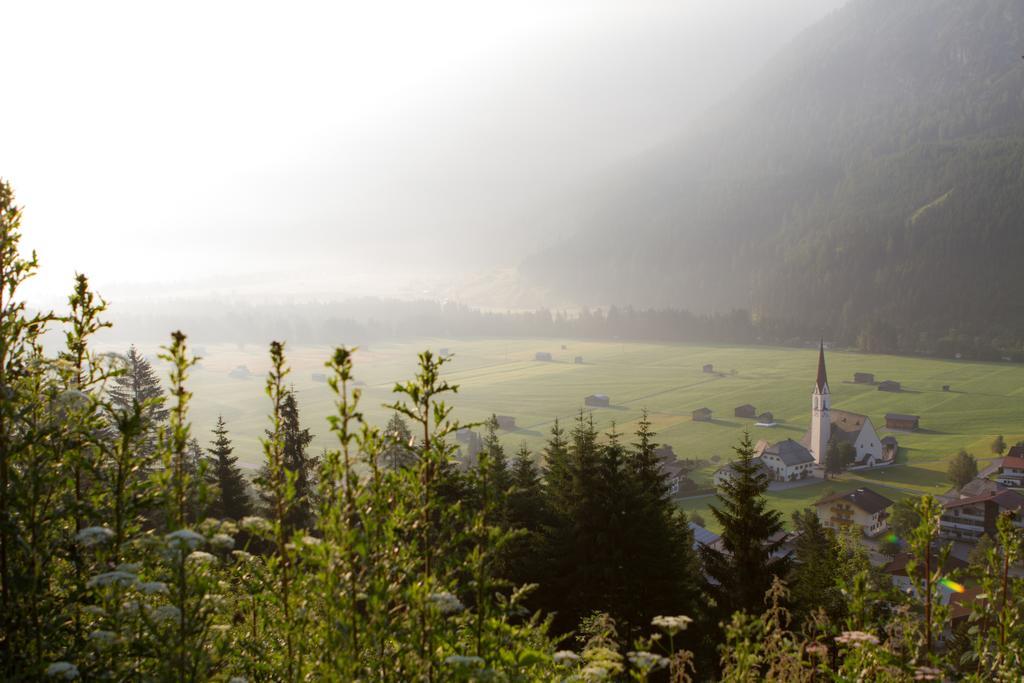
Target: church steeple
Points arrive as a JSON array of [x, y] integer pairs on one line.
[[822, 384], [821, 418]]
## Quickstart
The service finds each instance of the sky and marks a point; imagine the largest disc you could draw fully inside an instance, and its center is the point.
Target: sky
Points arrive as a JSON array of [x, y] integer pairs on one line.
[[342, 148]]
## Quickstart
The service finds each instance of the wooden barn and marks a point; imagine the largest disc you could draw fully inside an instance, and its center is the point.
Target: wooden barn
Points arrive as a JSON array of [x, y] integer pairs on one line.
[[745, 410], [766, 418], [597, 401], [578, 360], [708, 367], [319, 377], [506, 422], [906, 423], [702, 415], [863, 378], [542, 355], [888, 385]]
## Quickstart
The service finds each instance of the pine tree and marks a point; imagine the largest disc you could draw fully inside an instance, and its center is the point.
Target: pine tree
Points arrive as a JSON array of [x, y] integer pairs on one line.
[[140, 385], [231, 500], [499, 475], [813, 580], [398, 454], [298, 463], [743, 570]]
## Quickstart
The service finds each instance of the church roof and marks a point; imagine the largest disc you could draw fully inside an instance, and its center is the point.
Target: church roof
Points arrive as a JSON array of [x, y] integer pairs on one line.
[[846, 426], [822, 383]]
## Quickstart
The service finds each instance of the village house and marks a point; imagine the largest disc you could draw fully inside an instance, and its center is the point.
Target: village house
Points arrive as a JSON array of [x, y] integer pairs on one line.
[[967, 519], [597, 401], [674, 471], [702, 415], [703, 537], [788, 460], [901, 422], [862, 508], [1011, 468], [745, 410]]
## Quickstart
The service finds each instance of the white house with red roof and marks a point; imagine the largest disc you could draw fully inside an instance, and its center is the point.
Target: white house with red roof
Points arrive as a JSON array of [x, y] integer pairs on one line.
[[1011, 468]]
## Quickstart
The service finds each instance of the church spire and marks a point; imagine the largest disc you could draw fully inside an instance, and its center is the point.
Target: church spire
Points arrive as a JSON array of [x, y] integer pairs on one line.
[[822, 383]]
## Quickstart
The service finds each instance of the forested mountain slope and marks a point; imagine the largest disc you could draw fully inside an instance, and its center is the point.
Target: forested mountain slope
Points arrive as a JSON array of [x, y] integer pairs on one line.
[[870, 181]]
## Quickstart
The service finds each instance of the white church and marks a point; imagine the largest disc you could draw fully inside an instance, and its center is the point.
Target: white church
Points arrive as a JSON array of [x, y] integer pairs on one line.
[[791, 460], [844, 427]]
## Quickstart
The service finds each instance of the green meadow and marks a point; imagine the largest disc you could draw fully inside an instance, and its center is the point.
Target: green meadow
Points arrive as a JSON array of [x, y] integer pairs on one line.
[[667, 379]]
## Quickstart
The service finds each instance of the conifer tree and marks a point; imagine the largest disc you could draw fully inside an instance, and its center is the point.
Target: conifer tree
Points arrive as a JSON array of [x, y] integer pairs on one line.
[[398, 453], [813, 581], [497, 461], [231, 500], [297, 462], [743, 570], [140, 385]]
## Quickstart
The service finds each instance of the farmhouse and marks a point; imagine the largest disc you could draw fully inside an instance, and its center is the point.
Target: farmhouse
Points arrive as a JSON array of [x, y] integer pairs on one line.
[[888, 385], [709, 368], [597, 401], [506, 422], [862, 508], [787, 460], [906, 423], [542, 355], [702, 415], [863, 378], [1011, 468], [745, 410], [968, 519], [840, 425]]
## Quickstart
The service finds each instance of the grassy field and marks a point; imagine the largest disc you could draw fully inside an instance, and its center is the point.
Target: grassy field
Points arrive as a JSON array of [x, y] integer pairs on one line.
[[502, 377]]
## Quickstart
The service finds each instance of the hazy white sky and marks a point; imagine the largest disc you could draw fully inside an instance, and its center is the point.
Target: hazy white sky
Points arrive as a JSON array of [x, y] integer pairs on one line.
[[234, 145]]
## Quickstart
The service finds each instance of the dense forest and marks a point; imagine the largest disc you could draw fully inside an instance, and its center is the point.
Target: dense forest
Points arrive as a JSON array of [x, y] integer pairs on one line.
[[868, 183], [129, 551]]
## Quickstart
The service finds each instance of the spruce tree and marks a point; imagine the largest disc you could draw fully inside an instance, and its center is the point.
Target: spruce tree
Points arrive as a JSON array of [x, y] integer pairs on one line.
[[231, 499], [140, 385], [298, 463], [813, 581], [398, 454], [742, 572], [499, 475]]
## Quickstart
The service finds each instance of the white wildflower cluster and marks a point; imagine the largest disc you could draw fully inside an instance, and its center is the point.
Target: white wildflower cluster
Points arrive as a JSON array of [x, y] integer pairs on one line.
[[114, 578], [200, 557], [241, 555], [927, 673], [165, 613], [856, 638], [93, 535], [464, 661], [222, 542], [62, 670], [566, 658], [184, 538], [594, 672], [446, 603], [151, 587], [671, 625], [103, 637], [647, 661], [238, 679], [255, 525]]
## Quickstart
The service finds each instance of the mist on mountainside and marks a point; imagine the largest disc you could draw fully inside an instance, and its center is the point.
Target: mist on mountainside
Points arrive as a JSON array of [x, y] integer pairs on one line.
[[867, 182], [343, 150]]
